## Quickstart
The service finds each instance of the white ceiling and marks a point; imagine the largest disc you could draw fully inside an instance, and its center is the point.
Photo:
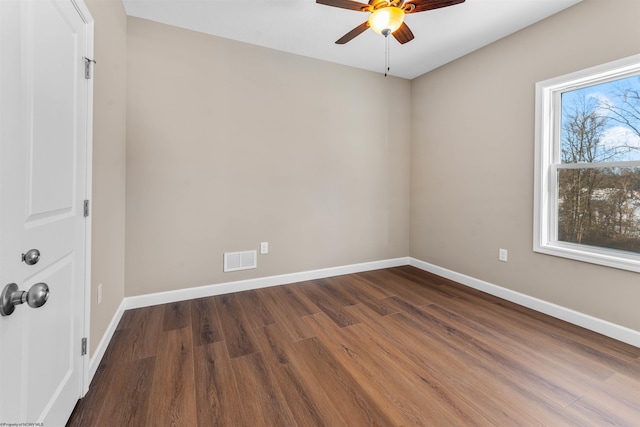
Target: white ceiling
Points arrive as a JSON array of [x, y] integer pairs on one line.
[[305, 28]]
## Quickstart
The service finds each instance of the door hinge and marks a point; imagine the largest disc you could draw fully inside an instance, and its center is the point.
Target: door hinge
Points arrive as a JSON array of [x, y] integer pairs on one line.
[[87, 67], [84, 347], [86, 208]]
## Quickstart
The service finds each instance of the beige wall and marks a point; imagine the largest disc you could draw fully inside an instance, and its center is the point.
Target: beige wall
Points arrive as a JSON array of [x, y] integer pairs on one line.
[[230, 144], [472, 160], [109, 141]]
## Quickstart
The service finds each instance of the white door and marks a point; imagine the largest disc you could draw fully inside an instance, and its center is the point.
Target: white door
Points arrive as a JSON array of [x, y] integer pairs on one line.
[[43, 183]]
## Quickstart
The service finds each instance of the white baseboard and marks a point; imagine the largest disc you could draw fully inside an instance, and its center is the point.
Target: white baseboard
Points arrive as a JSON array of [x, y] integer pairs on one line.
[[603, 327], [261, 282], [97, 355]]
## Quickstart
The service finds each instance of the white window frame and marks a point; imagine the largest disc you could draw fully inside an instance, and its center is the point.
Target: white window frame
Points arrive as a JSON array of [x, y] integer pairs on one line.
[[547, 157]]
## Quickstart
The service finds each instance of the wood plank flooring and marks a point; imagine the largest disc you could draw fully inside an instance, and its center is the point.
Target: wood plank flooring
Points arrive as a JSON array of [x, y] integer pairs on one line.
[[394, 347]]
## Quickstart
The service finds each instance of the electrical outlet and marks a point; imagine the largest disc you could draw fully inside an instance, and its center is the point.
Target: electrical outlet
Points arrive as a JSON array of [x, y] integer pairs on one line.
[[503, 255], [264, 248], [99, 293]]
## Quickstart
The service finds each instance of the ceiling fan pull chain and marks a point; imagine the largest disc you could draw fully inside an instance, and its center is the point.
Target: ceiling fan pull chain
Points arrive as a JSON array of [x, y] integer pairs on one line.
[[387, 67]]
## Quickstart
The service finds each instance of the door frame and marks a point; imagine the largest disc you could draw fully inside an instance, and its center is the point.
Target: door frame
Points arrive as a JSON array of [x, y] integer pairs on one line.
[[84, 13]]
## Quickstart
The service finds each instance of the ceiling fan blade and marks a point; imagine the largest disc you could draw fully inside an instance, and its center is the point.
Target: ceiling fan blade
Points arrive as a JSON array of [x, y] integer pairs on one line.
[[403, 34], [424, 5], [353, 33], [345, 4]]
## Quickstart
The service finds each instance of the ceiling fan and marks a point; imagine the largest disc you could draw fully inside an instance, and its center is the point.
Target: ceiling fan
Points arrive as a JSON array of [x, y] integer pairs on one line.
[[387, 16]]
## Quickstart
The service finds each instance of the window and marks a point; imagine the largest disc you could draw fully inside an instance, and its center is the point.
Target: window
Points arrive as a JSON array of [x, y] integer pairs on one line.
[[587, 172]]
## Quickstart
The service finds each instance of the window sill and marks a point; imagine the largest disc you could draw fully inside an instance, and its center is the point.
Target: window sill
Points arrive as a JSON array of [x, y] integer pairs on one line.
[[606, 257]]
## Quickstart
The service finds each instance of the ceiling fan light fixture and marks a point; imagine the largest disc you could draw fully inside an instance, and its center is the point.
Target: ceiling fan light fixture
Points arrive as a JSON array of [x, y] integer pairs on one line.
[[386, 20]]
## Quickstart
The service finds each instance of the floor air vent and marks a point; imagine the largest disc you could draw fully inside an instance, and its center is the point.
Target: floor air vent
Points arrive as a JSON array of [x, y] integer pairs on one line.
[[234, 261]]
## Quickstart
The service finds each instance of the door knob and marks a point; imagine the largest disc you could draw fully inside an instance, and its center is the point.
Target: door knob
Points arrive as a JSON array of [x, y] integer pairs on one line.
[[35, 297], [31, 257]]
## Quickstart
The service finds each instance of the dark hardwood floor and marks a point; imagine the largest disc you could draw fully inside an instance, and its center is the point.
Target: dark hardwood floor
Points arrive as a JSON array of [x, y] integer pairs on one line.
[[393, 347]]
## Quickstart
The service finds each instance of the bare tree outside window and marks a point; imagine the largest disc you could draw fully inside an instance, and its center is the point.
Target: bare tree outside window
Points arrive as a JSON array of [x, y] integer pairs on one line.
[[598, 194]]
